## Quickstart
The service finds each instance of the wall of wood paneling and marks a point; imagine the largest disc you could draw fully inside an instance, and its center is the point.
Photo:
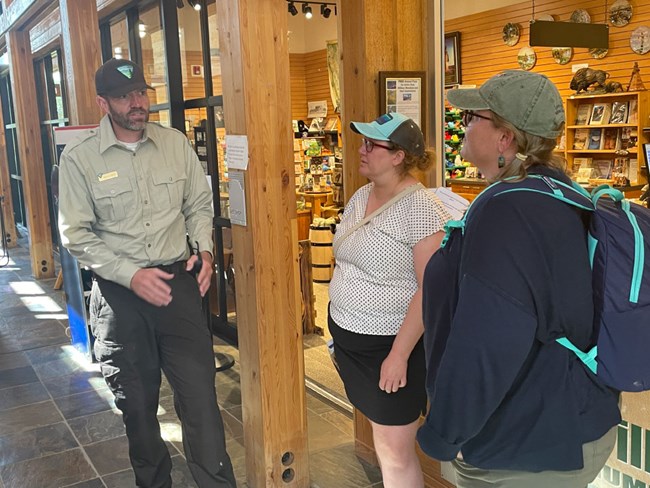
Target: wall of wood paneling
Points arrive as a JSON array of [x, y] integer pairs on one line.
[[309, 82], [483, 52]]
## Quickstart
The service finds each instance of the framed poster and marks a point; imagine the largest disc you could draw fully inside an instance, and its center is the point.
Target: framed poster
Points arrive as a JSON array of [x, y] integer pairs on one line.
[[403, 92], [452, 59]]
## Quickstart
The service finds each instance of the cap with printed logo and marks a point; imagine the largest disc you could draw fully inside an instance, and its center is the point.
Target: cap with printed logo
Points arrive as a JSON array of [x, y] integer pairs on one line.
[[396, 128], [528, 100], [117, 77]]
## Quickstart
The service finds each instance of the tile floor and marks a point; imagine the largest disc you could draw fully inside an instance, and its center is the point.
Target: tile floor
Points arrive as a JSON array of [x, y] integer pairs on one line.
[[58, 423]]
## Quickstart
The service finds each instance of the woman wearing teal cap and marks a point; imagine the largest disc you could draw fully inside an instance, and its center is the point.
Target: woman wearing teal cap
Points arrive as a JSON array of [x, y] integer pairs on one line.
[[389, 230]]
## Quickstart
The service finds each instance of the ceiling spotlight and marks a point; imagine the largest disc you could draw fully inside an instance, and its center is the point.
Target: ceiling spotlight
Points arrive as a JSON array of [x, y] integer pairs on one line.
[[195, 4], [306, 9], [325, 11], [292, 9]]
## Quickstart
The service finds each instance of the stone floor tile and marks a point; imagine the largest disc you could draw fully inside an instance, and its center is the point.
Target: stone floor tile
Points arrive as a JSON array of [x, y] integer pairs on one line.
[[77, 382], [19, 396], [96, 483], [53, 471], [17, 376], [323, 434], [97, 427], [28, 417], [86, 403], [35, 443], [109, 456], [339, 467], [13, 360]]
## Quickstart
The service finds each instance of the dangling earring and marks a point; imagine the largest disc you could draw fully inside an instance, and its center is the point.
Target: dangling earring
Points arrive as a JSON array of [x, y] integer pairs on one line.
[[501, 161]]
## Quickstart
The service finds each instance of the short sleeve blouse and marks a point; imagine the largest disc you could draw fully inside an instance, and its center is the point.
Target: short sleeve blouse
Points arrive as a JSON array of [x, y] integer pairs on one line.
[[374, 279]]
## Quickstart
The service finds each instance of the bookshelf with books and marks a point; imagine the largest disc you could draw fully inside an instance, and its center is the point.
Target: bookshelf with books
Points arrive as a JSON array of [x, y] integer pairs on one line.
[[603, 135]]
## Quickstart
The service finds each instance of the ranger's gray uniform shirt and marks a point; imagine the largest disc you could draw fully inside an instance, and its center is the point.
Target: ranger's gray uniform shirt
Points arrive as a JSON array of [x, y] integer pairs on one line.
[[122, 210]]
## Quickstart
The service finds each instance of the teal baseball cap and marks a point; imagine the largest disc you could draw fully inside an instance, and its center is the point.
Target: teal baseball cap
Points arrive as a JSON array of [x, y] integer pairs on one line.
[[393, 127], [529, 101]]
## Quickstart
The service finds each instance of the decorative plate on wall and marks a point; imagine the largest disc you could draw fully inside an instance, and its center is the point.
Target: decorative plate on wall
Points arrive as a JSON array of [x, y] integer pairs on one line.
[[562, 55], [511, 34], [598, 52], [547, 17], [580, 16], [620, 13], [526, 58], [640, 40]]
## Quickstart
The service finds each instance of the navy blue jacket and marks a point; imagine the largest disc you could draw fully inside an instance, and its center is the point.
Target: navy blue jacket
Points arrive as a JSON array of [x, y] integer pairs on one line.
[[501, 390]]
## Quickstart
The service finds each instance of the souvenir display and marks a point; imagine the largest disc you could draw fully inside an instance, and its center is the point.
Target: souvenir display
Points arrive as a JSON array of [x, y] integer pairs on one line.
[[580, 16], [640, 40], [546, 17], [598, 53], [562, 55], [620, 13], [511, 34], [526, 58]]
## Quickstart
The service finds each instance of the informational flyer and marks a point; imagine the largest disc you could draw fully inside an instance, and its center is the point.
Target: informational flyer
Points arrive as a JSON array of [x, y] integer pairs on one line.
[[403, 95]]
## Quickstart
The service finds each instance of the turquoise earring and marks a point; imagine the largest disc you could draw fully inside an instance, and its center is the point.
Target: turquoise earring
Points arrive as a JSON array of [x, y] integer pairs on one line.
[[501, 161]]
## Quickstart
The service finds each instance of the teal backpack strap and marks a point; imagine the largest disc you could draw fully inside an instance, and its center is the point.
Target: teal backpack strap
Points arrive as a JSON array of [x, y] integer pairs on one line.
[[606, 190], [450, 226], [588, 358]]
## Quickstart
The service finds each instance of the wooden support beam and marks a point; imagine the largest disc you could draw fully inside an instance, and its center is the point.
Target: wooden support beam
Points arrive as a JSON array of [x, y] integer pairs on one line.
[[82, 54], [256, 94], [5, 189], [374, 36], [30, 151]]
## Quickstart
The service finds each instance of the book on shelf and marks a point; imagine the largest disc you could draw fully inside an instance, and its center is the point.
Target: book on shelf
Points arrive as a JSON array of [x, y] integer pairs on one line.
[[595, 139], [600, 113], [629, 137], [579, 163], [633, 171], [619, 113], [633, 112], [583, 114], [602, 168], [610, 139], [580, 139]]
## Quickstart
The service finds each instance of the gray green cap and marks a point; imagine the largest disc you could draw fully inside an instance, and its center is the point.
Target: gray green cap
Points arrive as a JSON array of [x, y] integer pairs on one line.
[[529, 101]]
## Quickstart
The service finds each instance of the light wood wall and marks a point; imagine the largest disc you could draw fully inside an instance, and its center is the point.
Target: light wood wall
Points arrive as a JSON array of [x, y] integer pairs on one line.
[[309, 82], [483, 52]]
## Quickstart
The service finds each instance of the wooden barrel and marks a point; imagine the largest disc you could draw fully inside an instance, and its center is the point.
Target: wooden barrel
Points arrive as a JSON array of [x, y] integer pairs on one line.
[[321, 253]]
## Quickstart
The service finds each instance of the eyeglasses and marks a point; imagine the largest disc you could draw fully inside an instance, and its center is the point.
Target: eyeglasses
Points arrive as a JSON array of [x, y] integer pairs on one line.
[[370, 145], [469, 115]]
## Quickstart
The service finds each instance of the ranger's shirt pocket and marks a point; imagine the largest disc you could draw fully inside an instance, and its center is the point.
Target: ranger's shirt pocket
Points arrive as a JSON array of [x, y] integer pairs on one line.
[[113, 198], [168, 188]]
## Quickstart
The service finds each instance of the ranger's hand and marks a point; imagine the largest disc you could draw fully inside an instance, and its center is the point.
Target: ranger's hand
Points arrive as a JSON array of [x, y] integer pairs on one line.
[[150, 284], [204, 276]]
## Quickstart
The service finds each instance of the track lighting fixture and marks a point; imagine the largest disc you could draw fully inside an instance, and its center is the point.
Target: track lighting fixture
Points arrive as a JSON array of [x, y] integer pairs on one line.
[[306, 9], [195, 4], [325, 11], [325, 8]]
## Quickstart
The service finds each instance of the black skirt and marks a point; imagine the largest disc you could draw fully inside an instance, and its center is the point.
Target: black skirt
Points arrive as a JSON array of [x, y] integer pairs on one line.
[[359, 358]]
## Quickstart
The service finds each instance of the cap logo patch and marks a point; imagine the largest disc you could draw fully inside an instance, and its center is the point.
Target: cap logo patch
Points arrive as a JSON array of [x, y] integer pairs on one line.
[[126, 70], [382, 119]]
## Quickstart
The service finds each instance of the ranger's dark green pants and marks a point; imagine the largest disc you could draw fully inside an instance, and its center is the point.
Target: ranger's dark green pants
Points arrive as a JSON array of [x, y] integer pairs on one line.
[[133, 342]]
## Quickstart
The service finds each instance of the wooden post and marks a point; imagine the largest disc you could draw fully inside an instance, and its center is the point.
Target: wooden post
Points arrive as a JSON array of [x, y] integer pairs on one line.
[[374, 36], [256, 92], [81, 51], [5, 189], [21, 68]]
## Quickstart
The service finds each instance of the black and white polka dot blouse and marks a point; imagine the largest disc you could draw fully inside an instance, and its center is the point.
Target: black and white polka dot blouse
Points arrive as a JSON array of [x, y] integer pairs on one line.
[[374, 279]]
